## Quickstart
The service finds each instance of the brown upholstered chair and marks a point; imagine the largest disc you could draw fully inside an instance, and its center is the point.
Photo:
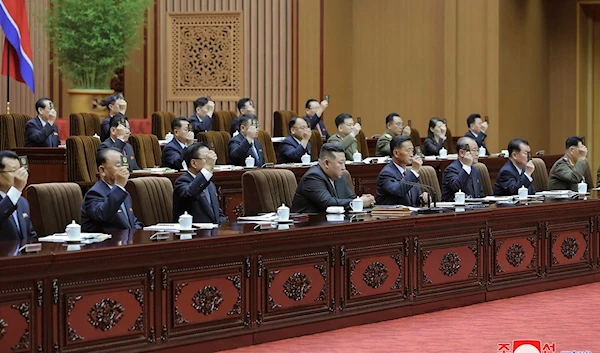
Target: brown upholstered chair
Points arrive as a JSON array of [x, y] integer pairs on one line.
[[81, 159], [218, 141], [349, 179], [540, 175], [450, 144], [316, 142], [361, 142], [161, 123], [268, 150], [84, 124], [428, 176], [12, 130], [53, 206], [152, 199], [222, 120], [415, 137], [146, 149], [281, 120], [264, 190], [589, 178], [485, 179]]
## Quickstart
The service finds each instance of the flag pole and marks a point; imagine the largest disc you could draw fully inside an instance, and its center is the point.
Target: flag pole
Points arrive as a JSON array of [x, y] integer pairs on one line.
[[8, 47]]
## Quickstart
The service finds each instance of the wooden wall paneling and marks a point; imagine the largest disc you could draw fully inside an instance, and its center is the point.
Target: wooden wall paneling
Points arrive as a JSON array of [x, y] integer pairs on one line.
[[450, 69], [309, 31], [594, 130]]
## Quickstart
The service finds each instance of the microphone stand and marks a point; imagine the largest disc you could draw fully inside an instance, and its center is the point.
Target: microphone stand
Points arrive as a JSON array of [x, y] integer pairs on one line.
[[429, 209]]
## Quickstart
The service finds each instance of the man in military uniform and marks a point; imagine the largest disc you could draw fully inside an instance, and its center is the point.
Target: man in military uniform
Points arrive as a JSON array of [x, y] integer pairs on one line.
[[394, 127], [569, 170], [346, 135]]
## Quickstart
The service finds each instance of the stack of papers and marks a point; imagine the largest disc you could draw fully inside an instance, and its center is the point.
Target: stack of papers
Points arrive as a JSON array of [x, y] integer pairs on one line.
[[390, 211], [558, 194], [265, 218], [84, 237], [175, 227]]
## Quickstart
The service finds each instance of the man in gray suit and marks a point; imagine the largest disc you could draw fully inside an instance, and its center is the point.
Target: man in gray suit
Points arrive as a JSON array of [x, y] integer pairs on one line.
[[324, 185]]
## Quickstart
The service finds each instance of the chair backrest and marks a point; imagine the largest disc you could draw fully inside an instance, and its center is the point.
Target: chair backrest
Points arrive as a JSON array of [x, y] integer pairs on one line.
[[161, 123], [361, 142], [264, 190], [20, 120], [316, 142], [152, 199], [146, 149], [12, 130], [485, 178], [428, 176], [268, 150], [450, 144], [415, 137], [81, 158], [349, 180], [589, 178], [222, 120], [53, 206], [84, 124], [540, 175], [281, 120], [217, 141]]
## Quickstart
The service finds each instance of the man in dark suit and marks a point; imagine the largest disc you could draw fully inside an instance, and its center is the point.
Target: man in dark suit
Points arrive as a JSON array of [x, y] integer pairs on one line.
[[390, 187], [107, 206], [245, 106], [15, 223], [324, 185], [517, 171], [202, 119], [460, 174], [477, 129], [172, 155], [246, 143], [296, 144], [193, 192], [314, 111], [117, 106], [41, 130], [119, 135]]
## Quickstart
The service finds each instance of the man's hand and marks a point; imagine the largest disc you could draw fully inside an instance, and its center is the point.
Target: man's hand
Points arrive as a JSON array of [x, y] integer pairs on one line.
[[306, 134], [122, 105], [424, 197], [417, 162], [211, 160], [252, 132], [121, 132], [406, 131], [529, 168], [484, 126], [368, 200], [20, 178], [122, 176], [189, 138], [324, 105], [582, 152], [355, 129], [52, 117], [468, 159]]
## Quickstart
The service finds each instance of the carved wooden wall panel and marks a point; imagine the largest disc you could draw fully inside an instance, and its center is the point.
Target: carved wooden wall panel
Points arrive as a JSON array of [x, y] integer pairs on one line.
[[568, 247], [515, 254], [16, 325]]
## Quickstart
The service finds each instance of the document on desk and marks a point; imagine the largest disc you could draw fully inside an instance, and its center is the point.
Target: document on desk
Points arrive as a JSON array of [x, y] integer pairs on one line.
[[88, 237], [265, 218], [175, 227]]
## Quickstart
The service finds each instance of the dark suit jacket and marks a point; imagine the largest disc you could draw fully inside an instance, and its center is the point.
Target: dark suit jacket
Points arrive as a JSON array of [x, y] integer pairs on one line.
[[38, 136], [101, 209], [432, 147], [290, 151], [172, 155], [8, 229], [189, 194], [124, 147], [315, 120], [391, 191], [480, 139], [239, 149], [200, 126], [455, 178], [509, 181], [315, 192], [105, 127]]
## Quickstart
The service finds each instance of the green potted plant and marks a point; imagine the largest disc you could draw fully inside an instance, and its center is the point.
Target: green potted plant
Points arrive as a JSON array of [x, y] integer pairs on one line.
[[90, 40]]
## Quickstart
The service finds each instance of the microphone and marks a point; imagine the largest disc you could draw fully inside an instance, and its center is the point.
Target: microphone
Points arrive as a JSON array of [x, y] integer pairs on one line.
[[429, 209]]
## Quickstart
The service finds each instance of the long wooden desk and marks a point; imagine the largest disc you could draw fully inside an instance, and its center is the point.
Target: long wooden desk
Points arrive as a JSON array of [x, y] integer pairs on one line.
[[234, 286]]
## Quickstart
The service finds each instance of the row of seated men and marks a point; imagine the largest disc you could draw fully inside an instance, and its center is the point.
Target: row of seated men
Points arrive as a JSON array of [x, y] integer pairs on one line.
[[108, 206]]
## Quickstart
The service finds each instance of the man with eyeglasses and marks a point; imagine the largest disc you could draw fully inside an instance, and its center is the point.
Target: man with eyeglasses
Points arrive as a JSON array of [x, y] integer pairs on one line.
[[295, 145], [15, 223], [346, 135], [460, 174], [193, 191], [41, 131], [246, 143], [314, 111], [119, 140], [246, 107], [394, 127], [517, 171], [172, 156]]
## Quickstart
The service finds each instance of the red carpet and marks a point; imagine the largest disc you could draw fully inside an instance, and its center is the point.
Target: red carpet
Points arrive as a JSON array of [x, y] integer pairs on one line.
[[567, 317]]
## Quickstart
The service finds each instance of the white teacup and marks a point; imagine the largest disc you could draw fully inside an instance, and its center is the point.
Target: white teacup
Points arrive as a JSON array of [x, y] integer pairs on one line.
[[283, 213], [73, 231], [185, 221], [504, 153], [481, 151], [334, 217], [305, 158], [356, 205], [582, 187], [249, 161], [459, 197], [443, 153], [357, 157], [523, 192]]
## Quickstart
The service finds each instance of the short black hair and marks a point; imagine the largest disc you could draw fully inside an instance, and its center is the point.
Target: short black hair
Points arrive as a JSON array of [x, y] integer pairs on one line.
[[307, 105], [111, 99], [242, 103], [293, 122], [432, 123], [573, 141], [390, 117], [102, 155], [200, 102], [6, 154], [246, 117], [514, 145], [116, 120], [41, 103], [463, 143], [329, 149], [191, 152], [471, 119], [339, 120], [397, 141], [176, 123]]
